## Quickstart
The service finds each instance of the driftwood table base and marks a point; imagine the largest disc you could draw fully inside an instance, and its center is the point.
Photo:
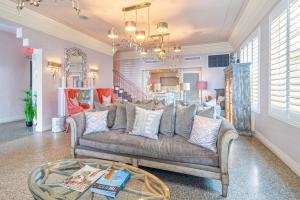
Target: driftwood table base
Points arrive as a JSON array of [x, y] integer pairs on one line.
[[45, 182]]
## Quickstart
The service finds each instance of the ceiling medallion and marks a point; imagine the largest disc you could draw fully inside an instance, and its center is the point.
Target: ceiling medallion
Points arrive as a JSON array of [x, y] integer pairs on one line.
[[36, 3], [154, 47]]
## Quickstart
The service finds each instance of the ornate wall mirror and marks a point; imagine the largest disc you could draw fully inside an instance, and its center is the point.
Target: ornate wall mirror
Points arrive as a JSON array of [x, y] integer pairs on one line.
[[75, 64]]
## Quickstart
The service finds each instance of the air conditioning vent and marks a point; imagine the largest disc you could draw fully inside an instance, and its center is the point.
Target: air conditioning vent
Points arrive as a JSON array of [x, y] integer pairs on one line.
[[193, 58], [218, 60], [151, 61]]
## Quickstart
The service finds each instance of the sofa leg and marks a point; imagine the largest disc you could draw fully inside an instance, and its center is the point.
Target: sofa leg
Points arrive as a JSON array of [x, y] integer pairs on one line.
[[225, 183], [224, 190]]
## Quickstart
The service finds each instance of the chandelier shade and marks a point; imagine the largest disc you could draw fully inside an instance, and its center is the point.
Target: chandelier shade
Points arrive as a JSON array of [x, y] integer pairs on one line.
[[130, 26], [140, 36]]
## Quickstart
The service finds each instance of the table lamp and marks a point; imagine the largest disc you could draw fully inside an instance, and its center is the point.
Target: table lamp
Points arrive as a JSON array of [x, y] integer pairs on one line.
[[185, 87], [201, 85]]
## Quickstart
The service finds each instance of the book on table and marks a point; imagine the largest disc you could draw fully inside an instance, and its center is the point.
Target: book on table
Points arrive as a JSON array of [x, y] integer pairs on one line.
[[83, 178], [111, 183]]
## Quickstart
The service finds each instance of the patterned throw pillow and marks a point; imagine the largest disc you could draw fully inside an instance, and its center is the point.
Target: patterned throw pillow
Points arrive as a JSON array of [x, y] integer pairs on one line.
[[205, 132], [95, 122], [111, 116], [106, 100], [146, 123], [74, 101]]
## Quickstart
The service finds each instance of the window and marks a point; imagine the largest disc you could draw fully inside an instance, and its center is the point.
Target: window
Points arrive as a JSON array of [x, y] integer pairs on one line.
[[250, 54], [285, 61]]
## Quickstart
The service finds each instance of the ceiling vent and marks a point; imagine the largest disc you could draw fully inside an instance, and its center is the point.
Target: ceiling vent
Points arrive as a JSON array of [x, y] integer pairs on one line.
[[192, 58]]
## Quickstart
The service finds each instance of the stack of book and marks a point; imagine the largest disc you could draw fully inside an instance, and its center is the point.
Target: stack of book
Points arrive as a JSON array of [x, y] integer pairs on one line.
[[111, 183]]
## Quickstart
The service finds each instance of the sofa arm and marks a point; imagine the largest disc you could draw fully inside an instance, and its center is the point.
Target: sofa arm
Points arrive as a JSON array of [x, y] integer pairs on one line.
[[224, 143], [77, 124]]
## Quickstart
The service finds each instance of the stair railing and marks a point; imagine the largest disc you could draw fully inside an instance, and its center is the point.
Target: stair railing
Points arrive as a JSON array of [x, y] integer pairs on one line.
[[128, 86]]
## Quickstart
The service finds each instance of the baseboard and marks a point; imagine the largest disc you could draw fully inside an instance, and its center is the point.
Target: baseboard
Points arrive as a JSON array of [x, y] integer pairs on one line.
[[293, 165], [11, 119]]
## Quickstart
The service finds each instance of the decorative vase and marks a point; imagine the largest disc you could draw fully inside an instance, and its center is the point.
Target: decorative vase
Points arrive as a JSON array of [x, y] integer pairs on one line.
[[29, 124]]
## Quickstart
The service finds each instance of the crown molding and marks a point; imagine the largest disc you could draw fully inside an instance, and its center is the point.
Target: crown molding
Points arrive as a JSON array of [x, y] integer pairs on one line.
[[252, 15], [38, 22], [201, 49]]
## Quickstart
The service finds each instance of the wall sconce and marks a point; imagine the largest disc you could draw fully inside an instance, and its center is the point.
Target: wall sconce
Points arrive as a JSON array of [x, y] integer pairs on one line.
[[54, 68], [93, 72]]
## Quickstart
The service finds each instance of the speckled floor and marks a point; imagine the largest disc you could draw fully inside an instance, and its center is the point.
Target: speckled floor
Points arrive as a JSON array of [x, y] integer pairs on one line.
[[255, 172]]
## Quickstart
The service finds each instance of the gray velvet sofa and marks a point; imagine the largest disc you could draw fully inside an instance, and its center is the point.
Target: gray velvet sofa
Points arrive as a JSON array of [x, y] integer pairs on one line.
[[167, 153]]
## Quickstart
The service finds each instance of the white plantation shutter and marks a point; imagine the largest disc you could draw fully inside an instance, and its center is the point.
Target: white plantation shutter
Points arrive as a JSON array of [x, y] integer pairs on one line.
[[294, 60], [278, 71], [285, 62], [250, 54], [255, 75]]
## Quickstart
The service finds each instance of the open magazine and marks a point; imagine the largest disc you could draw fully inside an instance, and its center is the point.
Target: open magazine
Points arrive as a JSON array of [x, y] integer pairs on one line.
[[83, 178]]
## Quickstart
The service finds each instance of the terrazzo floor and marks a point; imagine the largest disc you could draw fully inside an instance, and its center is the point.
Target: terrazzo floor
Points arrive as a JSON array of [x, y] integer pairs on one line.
[[255, 172]]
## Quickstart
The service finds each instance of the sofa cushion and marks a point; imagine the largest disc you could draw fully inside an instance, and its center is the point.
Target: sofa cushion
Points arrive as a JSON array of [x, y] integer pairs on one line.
[[167, 122], [96, 122], [175, 148], [121, 119], [184, 120], [112, 109], [208, 112], [146, 123], [205, 132], [130, 113]]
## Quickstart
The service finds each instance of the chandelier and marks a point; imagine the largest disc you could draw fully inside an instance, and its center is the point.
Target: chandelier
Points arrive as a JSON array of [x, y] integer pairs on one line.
[[151, 47], [36, 3]]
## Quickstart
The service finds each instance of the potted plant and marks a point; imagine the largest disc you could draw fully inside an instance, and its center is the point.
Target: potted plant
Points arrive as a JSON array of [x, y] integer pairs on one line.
[[29, 108]]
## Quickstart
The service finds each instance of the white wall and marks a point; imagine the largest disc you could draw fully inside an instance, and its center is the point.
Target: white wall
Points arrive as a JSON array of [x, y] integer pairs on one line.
[[282, 138], [133, 70], [14, 77]]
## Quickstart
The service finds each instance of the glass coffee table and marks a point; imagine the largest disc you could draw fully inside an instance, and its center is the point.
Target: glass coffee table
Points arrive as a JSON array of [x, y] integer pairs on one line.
[[45, 182]]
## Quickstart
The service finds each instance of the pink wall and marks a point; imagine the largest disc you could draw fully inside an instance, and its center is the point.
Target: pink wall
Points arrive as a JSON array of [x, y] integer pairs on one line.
[[53, 50], [14, 77]]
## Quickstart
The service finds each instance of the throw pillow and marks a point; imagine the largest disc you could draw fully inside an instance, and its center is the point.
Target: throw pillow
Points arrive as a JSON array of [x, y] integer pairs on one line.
[[106, 100], [131, 111], [184, 120], [111, 116], [205, 132], [95, 122], [146, 123], [167, 121], [121, 118], [210, 113], [74, 101]]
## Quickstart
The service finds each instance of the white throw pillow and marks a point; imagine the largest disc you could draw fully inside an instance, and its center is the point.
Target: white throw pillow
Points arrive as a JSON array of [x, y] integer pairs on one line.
[[205, 132], [96, 122], [106, 100], [146, 123]]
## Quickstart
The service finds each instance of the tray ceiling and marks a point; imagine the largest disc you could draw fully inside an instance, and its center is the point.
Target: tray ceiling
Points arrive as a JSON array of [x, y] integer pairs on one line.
[[190, 22]]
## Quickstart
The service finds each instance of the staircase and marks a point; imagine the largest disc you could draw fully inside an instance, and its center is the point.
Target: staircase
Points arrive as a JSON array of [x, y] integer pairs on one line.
[[126, 90]]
